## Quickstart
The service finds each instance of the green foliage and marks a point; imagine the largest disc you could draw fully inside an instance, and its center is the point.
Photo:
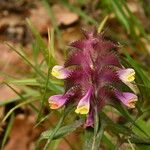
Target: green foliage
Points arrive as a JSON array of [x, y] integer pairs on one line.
[[8, 129], [63, 131]]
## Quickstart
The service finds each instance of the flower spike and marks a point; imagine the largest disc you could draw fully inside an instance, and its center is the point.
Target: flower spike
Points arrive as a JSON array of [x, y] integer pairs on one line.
[[60, 72], [127, 98], [84, 104], [126, 75], [93, 67]]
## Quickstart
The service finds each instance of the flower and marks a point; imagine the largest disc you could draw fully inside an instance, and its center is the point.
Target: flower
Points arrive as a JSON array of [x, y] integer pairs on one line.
[[84, 104], [126, 75], [57, 101], [60, 72], [127, 98], [94, 73]]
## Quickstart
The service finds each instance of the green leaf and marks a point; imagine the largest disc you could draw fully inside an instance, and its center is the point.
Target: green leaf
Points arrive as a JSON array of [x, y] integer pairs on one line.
[[92, 140], [126, 114], [108, 142], [57, 127], [145, 125], [143, 147], [114, 127], [32, 82], [7, 131], [141, 79], [63, 131], [51, 86], [17, 106], [118, 9], [88, 139], [53, 19], [40, 44], [102, 24], [139, 140]]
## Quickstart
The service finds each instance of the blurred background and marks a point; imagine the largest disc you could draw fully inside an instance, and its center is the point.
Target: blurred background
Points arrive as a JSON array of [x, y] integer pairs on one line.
[[125, 21]]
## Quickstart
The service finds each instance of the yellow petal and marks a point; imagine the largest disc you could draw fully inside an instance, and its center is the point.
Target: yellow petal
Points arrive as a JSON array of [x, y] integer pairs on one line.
[[82, 110], [59, 72], [56, 72], [131, 77]]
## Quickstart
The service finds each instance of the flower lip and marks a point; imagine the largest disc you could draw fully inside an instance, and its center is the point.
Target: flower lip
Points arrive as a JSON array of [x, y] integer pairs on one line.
[[53, 105], [57, 101], [60, 72], [131, 103], [127, 98], [126, 75], [84, 104], [82, 110]]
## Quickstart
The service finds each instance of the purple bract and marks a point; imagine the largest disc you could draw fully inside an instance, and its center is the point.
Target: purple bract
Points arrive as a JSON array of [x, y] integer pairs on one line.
[[93, 75]]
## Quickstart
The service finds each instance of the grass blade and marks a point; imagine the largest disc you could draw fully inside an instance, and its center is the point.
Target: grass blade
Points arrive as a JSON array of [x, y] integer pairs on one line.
[[7, 131]]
